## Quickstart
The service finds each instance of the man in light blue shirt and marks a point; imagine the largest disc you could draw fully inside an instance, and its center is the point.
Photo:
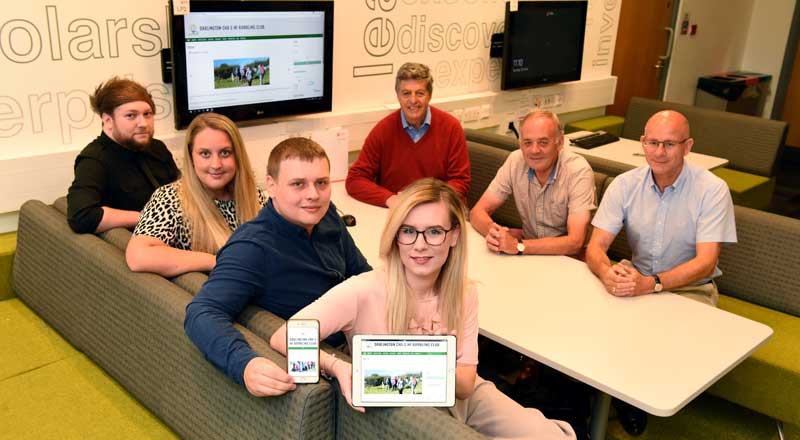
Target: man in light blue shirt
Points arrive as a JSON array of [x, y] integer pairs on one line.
[[676, 217], [416, 133]]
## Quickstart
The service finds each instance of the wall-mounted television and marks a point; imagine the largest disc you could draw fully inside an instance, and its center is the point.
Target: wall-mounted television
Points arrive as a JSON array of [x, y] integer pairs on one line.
[[543, 43], [252, 59]]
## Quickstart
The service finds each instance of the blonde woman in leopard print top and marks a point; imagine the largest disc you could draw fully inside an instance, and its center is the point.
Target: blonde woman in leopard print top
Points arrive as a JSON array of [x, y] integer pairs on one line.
[[186, 222]]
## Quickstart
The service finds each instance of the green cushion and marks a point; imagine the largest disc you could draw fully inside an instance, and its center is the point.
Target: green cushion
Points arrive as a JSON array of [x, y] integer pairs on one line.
[[707, 417], [73, 398], [48, 389], [769, 380], [26, 342], [609, 124], [8, 245], [747, 189]]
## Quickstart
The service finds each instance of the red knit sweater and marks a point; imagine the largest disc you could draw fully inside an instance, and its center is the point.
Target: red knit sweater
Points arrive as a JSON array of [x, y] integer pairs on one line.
[[390, 160]]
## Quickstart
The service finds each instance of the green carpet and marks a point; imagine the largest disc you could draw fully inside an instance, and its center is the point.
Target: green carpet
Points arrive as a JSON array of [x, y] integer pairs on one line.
[[27, 342], [708, 417], [48, 389], [73, 398]]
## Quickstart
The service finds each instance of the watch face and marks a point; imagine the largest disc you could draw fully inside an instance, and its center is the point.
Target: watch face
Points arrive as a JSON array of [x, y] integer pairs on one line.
[[657, 288], [520, 247]]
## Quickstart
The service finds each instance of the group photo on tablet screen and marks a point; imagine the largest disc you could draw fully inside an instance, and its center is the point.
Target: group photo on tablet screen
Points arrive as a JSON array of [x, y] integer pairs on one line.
[[403, 370], [388, 382]]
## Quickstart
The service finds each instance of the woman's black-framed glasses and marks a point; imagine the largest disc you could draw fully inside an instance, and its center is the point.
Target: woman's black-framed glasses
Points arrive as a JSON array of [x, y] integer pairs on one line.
[[434, 236]]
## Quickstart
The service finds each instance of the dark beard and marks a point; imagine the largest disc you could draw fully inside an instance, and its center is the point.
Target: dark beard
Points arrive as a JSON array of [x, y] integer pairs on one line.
[[131, 144]]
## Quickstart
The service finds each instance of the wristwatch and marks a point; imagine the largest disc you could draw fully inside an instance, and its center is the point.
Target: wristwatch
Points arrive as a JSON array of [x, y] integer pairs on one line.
[[520, 247], [658, 286]]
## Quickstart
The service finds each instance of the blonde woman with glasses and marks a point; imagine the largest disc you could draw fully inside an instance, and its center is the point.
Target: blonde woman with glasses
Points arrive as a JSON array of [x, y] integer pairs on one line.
[[186, 222], [423, 289]]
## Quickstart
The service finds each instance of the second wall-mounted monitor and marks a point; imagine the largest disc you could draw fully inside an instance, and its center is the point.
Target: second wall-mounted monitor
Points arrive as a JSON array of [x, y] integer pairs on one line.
[[252, 59], [543, 43]]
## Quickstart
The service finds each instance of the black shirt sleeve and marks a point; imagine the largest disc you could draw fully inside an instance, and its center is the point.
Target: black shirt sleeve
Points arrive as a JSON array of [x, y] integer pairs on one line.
[[106, 174], [85, 196]]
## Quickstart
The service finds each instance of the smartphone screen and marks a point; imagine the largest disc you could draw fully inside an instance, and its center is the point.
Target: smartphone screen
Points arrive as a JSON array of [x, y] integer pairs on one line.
[[302, 350]]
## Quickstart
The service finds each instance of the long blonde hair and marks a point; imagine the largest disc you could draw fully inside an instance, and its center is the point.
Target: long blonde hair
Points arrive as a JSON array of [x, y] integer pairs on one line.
[[452, 280], [209, 229]]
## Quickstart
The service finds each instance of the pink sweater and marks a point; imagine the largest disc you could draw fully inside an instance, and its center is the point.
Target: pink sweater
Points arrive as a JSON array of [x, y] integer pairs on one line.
[[357, 306], [390, 160]]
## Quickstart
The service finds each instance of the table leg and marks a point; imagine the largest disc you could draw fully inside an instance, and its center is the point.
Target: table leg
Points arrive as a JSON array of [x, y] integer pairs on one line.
[[602, 404]]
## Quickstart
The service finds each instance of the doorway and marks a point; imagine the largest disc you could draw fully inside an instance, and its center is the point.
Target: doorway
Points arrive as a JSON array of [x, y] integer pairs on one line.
[[641, 54], [786, 200]]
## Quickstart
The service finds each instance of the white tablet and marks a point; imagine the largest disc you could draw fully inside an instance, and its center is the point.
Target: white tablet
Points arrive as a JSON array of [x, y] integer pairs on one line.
[[404, 370]]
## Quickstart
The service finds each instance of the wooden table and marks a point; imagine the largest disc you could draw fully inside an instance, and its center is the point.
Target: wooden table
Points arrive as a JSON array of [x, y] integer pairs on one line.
[[656, 352]]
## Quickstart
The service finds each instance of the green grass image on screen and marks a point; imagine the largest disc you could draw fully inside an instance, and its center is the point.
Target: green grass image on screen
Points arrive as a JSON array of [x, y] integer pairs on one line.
[[376, 383], [241, 72], [383, 390]]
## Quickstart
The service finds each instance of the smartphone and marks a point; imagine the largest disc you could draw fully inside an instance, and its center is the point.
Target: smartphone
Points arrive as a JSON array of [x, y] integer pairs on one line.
[[302, 350]]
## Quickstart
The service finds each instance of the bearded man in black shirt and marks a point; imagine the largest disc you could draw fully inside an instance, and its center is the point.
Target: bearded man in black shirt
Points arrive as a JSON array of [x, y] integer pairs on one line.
[[116, 174]]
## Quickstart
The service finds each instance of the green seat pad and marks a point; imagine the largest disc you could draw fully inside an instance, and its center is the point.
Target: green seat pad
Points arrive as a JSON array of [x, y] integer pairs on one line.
[[707, 417], [8, 245], [747, 189], [769, 380], [73, 398], [609, 124], [26, 342]]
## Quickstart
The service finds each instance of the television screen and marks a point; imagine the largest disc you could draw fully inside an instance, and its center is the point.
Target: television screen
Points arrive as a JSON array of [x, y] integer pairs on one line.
[[252, 59], [543, 43]]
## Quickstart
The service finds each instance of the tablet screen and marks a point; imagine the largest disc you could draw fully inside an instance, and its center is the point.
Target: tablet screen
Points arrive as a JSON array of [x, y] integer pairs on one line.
[[404, 370]]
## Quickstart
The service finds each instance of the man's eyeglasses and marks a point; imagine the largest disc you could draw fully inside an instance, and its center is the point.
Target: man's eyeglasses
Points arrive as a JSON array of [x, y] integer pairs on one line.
[[651, 143], [434, 236]]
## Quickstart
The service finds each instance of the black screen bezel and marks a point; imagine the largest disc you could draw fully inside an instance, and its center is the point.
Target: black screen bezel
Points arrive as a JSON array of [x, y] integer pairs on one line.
[[249, 112], [508, 81]]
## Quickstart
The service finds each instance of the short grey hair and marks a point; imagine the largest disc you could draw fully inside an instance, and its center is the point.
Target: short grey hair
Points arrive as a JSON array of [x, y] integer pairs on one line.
[[414, 71], [543, 114]]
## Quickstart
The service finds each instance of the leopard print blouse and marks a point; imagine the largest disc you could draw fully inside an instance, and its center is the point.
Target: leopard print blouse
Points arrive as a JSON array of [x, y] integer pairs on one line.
[[162, 217]]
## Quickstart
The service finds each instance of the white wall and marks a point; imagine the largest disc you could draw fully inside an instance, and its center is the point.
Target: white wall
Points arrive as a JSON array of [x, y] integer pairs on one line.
[[718, 46], [767, 36], [54, 53]]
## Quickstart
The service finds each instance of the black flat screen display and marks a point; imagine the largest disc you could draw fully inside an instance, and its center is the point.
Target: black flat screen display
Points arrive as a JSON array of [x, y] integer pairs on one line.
[[252, 59], [543, 43]]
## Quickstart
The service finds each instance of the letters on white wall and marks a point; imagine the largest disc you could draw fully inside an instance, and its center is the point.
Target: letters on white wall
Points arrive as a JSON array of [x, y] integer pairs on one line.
[[54, 53]]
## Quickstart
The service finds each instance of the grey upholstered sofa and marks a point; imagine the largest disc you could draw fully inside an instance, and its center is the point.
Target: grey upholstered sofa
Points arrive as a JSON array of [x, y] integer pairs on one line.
[[131, 325], [760, 281]]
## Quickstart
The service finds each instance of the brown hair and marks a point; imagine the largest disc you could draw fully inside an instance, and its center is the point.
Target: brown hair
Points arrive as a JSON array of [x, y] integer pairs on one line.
[[117, 91], [414, 71], [294, 147]]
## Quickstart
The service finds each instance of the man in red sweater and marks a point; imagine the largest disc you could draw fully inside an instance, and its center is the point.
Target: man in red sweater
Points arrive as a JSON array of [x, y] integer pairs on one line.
[[413, 142]]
